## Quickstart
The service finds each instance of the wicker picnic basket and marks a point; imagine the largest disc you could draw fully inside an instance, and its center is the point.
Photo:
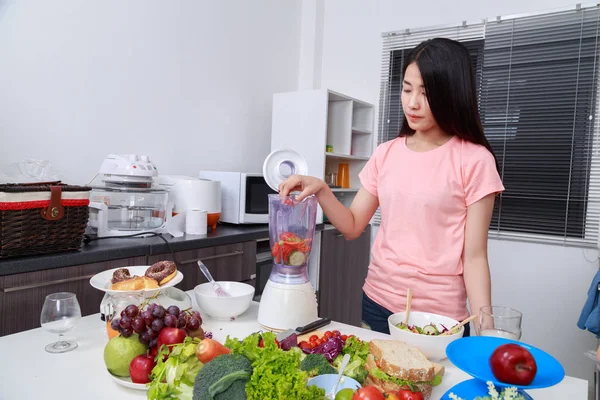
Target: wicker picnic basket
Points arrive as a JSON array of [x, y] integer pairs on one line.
[[42, 218]]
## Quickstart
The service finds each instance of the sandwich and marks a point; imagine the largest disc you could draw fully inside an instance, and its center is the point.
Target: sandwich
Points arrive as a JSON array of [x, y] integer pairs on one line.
[[393, 365]]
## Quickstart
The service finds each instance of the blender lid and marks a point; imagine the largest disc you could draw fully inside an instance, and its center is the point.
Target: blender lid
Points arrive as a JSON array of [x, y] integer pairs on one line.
[[281, 164]]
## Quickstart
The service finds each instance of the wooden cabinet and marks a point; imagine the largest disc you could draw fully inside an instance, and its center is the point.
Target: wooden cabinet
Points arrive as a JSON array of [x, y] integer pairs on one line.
[[22, 295], [343, 269], [234, 262]]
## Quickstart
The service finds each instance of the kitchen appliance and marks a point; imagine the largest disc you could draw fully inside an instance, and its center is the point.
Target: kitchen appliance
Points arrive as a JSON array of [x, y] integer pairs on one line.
[[125, 200], [288, 299], [186, 192], [243, 196]]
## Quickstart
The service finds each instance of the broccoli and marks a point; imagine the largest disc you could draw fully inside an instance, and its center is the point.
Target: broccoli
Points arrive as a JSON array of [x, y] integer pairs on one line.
[[223, 378], [316, 364]]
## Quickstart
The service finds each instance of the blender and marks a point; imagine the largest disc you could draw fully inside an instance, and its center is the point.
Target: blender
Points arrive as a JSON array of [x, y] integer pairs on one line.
[[288, 299]]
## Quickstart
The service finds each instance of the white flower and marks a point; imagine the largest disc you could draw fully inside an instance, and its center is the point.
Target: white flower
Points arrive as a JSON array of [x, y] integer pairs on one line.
[[492, 390]]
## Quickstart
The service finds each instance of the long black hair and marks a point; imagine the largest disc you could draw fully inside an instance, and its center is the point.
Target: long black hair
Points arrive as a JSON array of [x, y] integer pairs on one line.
[[449, 80]]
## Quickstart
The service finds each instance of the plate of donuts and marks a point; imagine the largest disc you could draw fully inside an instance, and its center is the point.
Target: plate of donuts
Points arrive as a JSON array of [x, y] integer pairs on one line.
[[136, 279]]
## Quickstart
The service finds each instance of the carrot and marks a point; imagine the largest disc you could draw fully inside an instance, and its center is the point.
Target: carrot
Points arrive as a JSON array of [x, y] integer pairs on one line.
[[208, 349]]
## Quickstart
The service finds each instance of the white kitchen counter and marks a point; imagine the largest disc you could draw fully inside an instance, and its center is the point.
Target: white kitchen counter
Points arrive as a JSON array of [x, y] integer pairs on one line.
[[29, 372]]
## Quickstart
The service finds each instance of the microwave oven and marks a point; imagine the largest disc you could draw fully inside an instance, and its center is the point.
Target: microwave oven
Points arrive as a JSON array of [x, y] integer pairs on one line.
[[244, 196]]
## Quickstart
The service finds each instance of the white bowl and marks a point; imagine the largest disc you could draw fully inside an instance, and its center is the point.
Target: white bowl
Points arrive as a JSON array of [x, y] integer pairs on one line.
[[224, 307], [434, 347]]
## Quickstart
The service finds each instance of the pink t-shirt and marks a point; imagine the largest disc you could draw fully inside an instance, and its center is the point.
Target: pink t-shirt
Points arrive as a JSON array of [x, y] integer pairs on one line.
[[423, 198]]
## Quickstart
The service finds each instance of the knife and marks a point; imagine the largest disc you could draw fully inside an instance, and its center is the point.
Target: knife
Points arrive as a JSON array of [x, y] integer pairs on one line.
[[301, 330]]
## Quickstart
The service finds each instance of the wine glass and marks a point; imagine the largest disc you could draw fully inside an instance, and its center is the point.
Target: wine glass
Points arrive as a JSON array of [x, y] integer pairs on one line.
[[60, 314], [499, 321]]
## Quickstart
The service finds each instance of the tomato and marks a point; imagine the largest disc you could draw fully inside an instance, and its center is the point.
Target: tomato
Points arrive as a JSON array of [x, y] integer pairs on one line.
[[318, 342], [328, 335], [208, 349], [368, 393], [336, 333], [391, 396], [313, 338], [344, 337], [407, 394]]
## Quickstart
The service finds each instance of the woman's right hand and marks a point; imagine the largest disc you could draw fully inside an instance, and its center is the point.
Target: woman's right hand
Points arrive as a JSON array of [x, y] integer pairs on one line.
[[306, 185]]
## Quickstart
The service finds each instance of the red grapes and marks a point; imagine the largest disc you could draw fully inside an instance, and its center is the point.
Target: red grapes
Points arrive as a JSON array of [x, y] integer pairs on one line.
[[148, 322]]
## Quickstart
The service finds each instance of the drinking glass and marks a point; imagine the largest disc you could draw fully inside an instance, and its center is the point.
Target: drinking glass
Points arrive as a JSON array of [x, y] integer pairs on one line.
[[60, 314], [499, 321]]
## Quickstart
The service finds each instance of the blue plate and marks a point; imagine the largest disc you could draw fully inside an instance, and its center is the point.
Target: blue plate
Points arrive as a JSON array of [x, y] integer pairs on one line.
[[472, 354], [473, 388]]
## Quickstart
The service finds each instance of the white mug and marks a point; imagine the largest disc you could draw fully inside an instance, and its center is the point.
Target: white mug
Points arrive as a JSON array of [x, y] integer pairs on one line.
[[195, 221]]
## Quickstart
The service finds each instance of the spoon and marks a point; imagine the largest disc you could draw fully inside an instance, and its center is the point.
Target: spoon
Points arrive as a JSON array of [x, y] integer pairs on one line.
[[218, 289], [454, 329], [333, 391], [408, 301]]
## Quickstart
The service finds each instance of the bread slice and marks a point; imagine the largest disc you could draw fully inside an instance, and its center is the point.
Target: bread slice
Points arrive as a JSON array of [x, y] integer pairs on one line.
[[135, 283], [398, 359], [386, 386]]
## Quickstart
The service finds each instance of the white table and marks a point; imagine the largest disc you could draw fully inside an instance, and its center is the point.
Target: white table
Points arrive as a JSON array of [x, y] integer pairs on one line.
[[29, 372]]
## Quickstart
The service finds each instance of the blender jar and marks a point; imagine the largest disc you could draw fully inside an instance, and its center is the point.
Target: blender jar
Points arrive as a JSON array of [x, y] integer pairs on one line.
[[291, 231]]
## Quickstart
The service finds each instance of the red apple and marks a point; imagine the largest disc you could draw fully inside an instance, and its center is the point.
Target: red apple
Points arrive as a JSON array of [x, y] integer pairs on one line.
[[140, 368], [513, 364], [170, 336]]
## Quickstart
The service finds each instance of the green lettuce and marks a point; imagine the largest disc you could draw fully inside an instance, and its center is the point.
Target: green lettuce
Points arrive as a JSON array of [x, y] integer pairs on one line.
[[174, 378], [379, 374], [276, 373]]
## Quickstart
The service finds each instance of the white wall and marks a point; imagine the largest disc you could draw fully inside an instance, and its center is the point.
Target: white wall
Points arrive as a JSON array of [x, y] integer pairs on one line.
[[548, 283], [189, 83]]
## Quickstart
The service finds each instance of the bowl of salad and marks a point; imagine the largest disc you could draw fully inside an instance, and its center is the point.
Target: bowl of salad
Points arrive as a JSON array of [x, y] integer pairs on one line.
[[428, 332]]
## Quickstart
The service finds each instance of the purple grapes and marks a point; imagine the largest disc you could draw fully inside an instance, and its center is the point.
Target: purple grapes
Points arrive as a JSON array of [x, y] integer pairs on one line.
[[138, 324], [153, 343], [159, 312], [173, 310], [114, 324], [193, 324], [125, 322], [131, 311], [157, 325], [170, 320], [127, 332]]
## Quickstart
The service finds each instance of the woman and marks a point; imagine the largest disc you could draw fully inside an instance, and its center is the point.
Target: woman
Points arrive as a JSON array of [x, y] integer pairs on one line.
[[435, 185]]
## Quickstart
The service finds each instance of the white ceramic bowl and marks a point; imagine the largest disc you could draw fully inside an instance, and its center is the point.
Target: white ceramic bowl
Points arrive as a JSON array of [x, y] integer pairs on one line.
[[434, 347], [224, 307]]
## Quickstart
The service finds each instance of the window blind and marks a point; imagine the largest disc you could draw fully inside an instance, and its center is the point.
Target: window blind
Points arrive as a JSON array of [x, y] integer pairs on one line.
[[537, 81]]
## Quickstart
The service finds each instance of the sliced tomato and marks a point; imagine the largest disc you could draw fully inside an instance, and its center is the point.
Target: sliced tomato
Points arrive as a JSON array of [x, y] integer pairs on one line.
[[289, 237]]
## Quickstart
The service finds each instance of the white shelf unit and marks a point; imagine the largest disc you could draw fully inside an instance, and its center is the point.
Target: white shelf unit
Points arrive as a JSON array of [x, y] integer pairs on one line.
[[308, 121]]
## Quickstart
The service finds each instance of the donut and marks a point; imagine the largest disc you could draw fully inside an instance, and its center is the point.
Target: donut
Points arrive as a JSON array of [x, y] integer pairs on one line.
[[121, 274], [162, 271]]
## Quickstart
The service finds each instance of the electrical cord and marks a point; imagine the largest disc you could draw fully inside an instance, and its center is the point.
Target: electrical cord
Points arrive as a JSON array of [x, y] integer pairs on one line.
[[87, 239]]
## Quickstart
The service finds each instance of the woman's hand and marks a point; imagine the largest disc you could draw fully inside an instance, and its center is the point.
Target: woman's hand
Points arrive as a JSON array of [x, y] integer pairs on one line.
[[306, 185]]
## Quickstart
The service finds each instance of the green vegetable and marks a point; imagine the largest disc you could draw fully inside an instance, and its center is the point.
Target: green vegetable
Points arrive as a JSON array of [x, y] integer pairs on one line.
[[358, 351], [296, 258], [223, 378], [317, 364], [174, 378], [379, 374], [276, 373]]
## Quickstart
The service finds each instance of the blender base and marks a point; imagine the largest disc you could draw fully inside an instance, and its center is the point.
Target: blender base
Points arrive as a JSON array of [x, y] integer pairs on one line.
[[284, 306]]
